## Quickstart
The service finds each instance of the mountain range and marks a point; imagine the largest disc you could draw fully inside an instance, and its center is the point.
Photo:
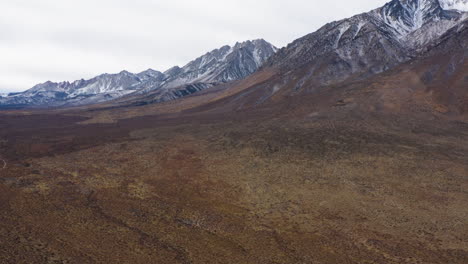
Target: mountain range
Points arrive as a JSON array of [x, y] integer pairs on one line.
[[218, 66], [352, 48], [358, 49]]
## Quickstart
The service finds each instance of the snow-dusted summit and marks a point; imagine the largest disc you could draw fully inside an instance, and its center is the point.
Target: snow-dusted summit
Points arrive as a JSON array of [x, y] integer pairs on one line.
[[461, 5], [406, 16]]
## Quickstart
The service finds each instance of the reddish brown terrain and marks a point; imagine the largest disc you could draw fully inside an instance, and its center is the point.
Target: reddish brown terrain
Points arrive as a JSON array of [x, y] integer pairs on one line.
[[255, 171]]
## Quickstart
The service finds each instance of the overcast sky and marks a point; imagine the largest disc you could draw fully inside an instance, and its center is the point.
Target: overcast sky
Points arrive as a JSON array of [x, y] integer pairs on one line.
[[62, 40]]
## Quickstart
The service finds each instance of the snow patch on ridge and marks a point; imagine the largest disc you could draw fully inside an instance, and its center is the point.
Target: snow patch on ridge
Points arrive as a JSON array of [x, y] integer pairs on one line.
[[359, 27], [343, 30], [461, 5]]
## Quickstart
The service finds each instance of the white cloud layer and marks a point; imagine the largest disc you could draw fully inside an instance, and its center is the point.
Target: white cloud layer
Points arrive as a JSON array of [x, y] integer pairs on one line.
[[71, 39]]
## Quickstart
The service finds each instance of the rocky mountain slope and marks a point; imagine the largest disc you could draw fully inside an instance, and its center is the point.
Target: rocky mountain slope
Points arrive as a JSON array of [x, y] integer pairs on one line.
[[367, 43], [436, 81], [218, 66]]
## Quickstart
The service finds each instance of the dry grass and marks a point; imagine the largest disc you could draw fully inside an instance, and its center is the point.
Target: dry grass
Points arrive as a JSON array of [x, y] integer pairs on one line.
[[243, 192]]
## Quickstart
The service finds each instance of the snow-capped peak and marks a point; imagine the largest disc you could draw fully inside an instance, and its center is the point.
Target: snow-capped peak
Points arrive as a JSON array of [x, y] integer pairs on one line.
[[404, 17], [461, 5], [151, 74]]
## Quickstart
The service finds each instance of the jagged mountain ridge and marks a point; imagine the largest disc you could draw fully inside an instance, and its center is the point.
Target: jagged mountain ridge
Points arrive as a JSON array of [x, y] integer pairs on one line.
[[101, 88], [221, 65]]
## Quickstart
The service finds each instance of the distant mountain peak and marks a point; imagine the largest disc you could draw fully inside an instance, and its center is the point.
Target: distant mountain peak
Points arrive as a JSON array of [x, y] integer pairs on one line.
[[150, 72], [173, 71], [222, 65]]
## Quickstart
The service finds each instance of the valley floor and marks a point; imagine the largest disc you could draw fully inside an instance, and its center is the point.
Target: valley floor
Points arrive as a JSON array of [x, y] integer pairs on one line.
[[238, 189]]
